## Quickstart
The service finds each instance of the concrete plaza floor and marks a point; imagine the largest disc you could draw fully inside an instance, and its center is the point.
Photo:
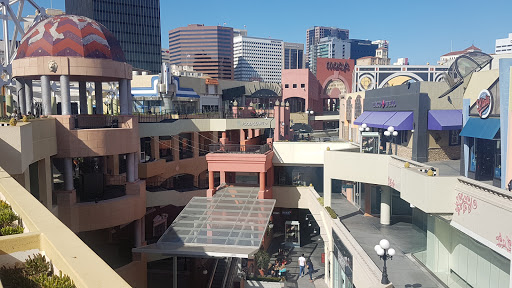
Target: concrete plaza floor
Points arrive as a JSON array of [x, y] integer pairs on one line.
[[405, 238], [312, 250]]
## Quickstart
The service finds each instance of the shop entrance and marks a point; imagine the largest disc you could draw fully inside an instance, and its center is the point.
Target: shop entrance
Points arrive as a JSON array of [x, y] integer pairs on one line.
[[485, 162]]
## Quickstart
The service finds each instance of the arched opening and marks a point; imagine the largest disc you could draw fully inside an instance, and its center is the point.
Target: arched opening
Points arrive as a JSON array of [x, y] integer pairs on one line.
[[296, 104]]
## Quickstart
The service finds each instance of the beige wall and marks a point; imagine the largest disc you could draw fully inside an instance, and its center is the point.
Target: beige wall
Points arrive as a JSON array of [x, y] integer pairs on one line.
[[104, 69], [26, 143], [428, 193], [311, 153], [96, 142], [89, 216], [66, 251], [202, 125]]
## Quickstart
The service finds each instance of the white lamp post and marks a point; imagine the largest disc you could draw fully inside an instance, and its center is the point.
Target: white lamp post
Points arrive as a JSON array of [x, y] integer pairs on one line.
[[391, 132], [385, 253]]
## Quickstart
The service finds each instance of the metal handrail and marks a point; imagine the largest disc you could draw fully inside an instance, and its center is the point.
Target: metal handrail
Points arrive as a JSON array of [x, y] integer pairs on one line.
[[237, 148], [210, 282]]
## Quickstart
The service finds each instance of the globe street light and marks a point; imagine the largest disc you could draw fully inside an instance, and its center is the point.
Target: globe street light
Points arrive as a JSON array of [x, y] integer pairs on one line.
[[384, 253], [388, 133]]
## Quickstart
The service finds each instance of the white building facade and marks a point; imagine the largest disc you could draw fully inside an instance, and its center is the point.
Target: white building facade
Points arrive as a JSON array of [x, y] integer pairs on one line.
[[504, 45], [258, 59]]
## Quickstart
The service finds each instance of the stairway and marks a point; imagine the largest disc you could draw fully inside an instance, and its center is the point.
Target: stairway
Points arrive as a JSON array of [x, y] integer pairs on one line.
[[218, 277]]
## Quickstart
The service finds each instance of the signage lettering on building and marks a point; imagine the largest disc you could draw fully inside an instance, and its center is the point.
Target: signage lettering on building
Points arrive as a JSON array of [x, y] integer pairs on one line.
[[338, 66], [484, 104], [211, 81], [384, 104], [255, 124]]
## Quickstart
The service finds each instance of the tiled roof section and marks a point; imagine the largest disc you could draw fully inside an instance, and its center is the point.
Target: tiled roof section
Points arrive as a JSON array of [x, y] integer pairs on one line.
[[70, 35], [469, 49]]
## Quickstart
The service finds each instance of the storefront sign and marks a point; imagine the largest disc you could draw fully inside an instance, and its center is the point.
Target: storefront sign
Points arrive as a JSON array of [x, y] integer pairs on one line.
[[384, 104], [338, 66], [484, 104], [210, 81], [254, 124], [287, 212]]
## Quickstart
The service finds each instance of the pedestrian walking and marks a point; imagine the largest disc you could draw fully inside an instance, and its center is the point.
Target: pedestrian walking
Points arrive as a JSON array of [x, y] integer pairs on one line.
[[302, 264], [310, 269]]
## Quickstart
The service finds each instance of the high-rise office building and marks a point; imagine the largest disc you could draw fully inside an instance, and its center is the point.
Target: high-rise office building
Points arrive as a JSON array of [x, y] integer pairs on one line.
[[135, 23], [504, 45], [328, 47], [314, 34], [208, 48], [258, 59], [362, 48], [293, 55]]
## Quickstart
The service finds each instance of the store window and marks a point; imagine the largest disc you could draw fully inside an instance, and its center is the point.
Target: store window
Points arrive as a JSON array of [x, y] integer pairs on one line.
[[454, 138], [497, 161], [472, 155]]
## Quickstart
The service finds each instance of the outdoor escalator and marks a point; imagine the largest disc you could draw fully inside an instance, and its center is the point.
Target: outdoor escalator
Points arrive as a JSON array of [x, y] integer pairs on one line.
[[218, 277]]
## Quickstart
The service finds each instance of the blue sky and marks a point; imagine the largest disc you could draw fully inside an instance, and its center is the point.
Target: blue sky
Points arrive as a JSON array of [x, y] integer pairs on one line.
[[421, 30]]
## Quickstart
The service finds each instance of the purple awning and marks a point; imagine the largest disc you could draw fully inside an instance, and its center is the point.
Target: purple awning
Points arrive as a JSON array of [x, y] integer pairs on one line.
[[362, 117], [377, 119], [444, 119], [401, 121]]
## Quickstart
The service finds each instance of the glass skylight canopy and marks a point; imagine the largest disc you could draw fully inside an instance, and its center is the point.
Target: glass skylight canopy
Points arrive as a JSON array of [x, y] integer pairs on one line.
[[230, 224]]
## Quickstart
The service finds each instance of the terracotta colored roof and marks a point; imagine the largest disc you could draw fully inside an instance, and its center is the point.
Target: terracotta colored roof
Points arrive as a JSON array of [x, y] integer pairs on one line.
[[70, 35], [470, 48]]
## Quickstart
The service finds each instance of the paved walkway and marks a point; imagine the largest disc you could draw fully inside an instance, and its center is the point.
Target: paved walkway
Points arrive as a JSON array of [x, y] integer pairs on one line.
[[312, 250], [405, 238]]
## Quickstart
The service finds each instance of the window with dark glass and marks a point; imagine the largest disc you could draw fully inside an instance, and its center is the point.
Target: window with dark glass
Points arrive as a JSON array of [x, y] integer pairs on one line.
[[294, 85], [454, 137]]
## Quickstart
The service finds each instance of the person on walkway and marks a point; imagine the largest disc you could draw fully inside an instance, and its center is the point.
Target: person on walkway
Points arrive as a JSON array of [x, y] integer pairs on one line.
[[302, 263], [310, 270]]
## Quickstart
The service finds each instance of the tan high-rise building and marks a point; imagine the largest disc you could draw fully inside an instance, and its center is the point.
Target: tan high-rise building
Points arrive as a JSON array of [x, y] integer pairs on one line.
[[208, 48]]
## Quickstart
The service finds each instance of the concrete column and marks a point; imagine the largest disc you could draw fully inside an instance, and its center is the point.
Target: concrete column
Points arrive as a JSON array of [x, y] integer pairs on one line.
[[68, 174], [222, 177], [174, 272], [385, 206], [195, 139], [175, 148], [89, 105], [20, 94], [46, 92], [8, 102], [130, 173], [251, 133], [211, 180], [115, 106], [262, 181], [98, 96], [129, 96], [242, 136], [136, 161], [327, 191], [44, 169], [155, 148], [65, 95], [123, 96], [29, 96], [138, 232], [82, 97], [167, 104], [215, 136], [54, 103], [257, 132]]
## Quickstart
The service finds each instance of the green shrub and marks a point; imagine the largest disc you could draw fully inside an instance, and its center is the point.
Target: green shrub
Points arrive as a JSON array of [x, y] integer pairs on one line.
[[7, 216], [54, 281], [36, 273], [9, 230], [37, 266], [331, 212], [4, 205], [321, 200], [265, 279], [262, 259], [16, 278]]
